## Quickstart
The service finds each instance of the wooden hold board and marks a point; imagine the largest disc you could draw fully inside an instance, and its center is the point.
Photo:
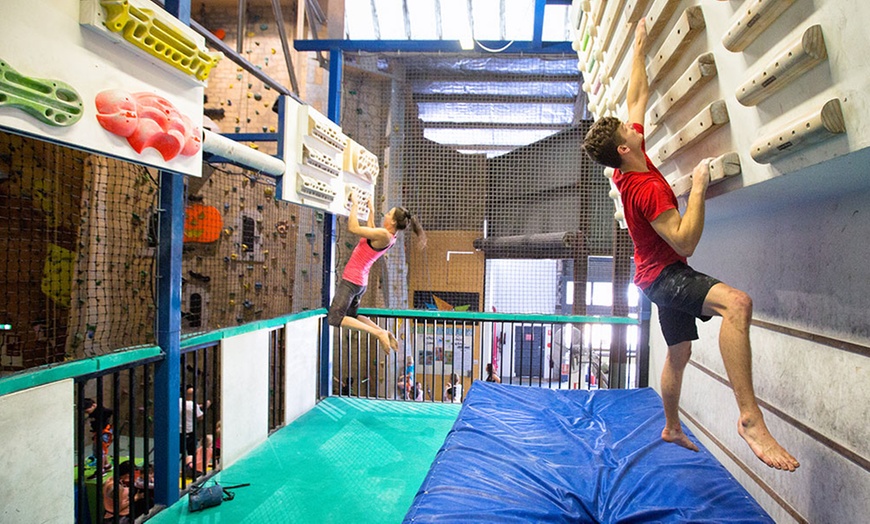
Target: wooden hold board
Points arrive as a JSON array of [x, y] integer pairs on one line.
[[689, 26], [808, 130], [702, 70], [722, 167], [611, 15], [659, 14], [754, 19], [624, 36], [801, 56], [634, 10], [712, 117]]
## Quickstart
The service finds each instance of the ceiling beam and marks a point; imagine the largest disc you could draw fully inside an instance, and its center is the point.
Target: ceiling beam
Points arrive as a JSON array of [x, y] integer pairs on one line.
[[375, 22], [470, 18], [491, 77], [432, 46], [439, 31], [502, 31], [493, 125], [491, 99], [483, 147], [406, 17]]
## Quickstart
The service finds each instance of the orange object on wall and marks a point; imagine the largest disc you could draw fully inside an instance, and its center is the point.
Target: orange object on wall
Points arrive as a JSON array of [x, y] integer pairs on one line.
[[202, 224]]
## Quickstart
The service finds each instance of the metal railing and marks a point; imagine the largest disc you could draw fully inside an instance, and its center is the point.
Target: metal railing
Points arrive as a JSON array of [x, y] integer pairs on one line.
[[114, 443], [114, 437], [199, 408], [277, 363], [441, 354]]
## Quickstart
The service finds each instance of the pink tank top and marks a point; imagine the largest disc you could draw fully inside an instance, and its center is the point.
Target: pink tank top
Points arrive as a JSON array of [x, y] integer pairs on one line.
[[361, 261]]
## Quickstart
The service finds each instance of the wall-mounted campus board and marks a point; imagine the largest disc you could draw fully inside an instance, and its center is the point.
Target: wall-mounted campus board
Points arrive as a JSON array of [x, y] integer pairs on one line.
[[323, 164], [838, 71], [44, 40]]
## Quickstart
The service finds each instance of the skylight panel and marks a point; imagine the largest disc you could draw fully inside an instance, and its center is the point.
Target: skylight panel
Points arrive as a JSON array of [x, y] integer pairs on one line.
[[556, 23], [423, 19], [391, 19], [358, 21], [454, 19], [483, 137], [487, 19], [519, 20]]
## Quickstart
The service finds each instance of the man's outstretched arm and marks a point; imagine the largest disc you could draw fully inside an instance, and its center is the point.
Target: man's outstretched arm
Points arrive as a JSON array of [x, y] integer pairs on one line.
[[638, 83]]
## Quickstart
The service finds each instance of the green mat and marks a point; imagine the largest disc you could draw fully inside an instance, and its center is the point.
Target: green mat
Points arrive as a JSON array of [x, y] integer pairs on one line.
[[347, 460]]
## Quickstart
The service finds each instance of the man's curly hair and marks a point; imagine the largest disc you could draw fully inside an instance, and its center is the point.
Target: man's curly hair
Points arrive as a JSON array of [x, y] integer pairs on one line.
[[602, 140]]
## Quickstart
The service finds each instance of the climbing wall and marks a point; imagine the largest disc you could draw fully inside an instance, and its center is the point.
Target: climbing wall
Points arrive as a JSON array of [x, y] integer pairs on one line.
[[236, 101], [241, 251], [77, 253]]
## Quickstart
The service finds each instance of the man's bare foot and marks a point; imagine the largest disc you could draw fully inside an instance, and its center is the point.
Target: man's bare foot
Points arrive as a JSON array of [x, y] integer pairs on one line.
[[676, 436], [761, 442], [394, 343]]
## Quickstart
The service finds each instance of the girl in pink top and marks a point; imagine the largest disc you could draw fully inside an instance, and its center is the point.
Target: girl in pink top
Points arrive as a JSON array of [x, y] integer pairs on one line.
[[374, 242]]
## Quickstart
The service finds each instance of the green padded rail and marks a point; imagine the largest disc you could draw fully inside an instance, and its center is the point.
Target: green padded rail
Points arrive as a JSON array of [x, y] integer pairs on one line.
[[200, 339], [42, 375], [66, 370], [496, 317], [50, 101]]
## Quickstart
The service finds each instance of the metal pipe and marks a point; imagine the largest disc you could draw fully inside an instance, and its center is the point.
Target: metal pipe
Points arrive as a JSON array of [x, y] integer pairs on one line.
[[240, 40], [285, 46], [242, 154]]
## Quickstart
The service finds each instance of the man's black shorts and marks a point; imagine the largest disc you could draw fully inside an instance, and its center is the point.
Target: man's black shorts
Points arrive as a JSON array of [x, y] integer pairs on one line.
[[679, 292], [345, 303]]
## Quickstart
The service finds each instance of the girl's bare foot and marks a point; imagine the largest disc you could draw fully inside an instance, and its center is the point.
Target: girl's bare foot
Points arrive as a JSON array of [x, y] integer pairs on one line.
[[761, 442], [386, 344], [676, 436]]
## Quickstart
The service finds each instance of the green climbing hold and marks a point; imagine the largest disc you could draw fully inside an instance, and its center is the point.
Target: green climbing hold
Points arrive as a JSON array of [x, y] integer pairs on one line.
[[52, 102]]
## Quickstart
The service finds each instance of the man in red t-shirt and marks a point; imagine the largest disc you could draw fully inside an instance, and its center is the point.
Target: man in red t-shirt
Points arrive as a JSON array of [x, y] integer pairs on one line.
[[662, 241]]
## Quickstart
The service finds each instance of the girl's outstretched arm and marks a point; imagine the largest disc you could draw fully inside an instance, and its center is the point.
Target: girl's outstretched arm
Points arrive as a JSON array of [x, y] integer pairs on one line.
[[376, 234]]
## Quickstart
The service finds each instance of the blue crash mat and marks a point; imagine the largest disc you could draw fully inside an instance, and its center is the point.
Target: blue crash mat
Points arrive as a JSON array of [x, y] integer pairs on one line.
[[522, 454]]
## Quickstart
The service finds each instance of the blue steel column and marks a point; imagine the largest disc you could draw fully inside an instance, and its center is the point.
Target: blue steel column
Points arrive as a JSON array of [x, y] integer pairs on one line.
[[334, 113], [336, 61], [538, 30], [167, 374]]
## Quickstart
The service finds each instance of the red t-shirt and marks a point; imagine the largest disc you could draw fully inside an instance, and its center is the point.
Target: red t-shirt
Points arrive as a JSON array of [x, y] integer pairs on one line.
[[361, 260], [646, 195]]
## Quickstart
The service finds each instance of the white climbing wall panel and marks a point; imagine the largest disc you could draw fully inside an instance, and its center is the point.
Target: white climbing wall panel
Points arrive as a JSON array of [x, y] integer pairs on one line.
[[43, 39], [791, 122]]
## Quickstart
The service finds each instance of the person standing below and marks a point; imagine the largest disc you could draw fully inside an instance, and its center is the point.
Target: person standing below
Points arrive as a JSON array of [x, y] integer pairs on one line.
[[491, 376], [100, 418], [373, 244], [189, 409], [124, 473], [453, 389], [662, 242]]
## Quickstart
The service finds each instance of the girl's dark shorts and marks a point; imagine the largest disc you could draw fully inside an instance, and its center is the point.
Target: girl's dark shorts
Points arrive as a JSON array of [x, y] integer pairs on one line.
[[345, 303], [679, 292]]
